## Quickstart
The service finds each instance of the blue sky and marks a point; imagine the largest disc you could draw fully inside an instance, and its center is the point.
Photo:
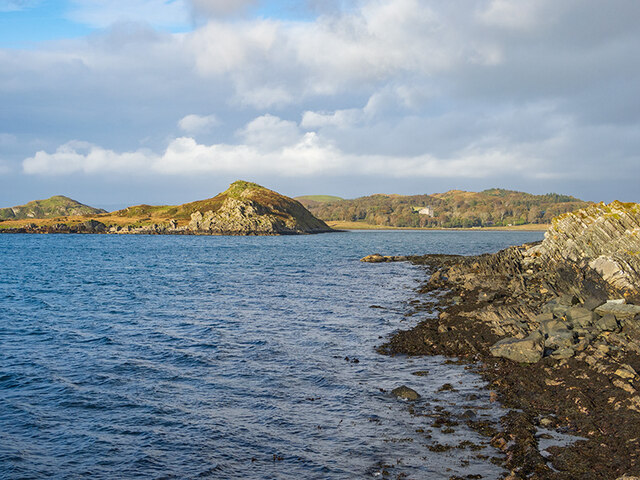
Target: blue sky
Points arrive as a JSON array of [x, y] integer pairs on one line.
[[155, 101]]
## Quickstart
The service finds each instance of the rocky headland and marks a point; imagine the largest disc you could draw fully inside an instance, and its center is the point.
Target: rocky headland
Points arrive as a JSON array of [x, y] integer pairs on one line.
[[243, 209], [554, 327]]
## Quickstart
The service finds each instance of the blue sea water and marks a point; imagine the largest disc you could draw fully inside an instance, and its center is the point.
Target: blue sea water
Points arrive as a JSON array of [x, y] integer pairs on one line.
[[224, 357]]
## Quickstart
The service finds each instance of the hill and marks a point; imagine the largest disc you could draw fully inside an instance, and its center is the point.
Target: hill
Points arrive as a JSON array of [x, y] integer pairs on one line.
[[245, 208], [55, 206], [452, 209], [319, 198]]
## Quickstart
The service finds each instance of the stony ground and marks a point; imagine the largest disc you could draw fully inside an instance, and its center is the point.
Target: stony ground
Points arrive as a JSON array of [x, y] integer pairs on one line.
[[567, 368]]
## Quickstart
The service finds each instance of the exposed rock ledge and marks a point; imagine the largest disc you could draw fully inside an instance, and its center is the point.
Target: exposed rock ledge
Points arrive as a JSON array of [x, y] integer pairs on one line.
[[555, 327]]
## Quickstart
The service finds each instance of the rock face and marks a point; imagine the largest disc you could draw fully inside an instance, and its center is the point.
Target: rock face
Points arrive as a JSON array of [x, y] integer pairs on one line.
[[604, 237]]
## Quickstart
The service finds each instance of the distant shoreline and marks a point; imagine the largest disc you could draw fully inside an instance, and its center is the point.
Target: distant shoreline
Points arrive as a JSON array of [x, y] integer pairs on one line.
[[529, 227]]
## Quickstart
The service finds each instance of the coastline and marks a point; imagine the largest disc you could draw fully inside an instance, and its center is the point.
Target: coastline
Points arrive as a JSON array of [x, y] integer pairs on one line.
[[585, 395], [530, 227]]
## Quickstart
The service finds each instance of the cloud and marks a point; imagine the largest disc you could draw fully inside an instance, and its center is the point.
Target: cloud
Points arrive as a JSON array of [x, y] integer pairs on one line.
[[369, 87], [219, 8], [272, 146], [194, 124]]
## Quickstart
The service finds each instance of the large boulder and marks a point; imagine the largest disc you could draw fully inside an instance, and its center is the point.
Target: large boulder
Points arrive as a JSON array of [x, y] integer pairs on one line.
[[524, 350], [622, 311]]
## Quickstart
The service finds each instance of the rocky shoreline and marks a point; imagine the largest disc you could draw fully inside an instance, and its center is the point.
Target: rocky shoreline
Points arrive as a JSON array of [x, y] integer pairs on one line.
[[554, 328]]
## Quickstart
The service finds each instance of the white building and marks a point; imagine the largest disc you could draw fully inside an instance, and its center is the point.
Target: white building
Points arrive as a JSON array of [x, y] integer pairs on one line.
[[426, 211]]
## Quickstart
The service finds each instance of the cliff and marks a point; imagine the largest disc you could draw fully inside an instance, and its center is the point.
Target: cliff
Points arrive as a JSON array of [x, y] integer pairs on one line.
[[55, 206], [604, 237]]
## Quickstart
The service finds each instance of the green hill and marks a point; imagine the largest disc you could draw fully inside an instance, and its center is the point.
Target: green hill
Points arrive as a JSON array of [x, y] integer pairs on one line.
[[56, 206], [455, 208], [319, 198]]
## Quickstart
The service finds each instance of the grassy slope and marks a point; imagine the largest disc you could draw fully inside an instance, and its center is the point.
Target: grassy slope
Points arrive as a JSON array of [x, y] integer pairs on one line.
[[51, 207], [319, 198], [139, 215]]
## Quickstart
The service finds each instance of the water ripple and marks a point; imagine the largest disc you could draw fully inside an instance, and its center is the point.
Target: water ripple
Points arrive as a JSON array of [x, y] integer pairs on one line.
[[223, 357]]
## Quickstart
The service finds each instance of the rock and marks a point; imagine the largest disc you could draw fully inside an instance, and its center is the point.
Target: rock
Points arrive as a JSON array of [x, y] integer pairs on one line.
[[591, 303], [621, 311], [543, 317], [624, 386], [608, 323], [607, 237], [469, 415], [559, 305], [524, 350], [580, 317], [563, 353], [628, 477], [375, 258], [559, 339], [626, 371], [92, 226], [548, 326], [405, 393], [616, 301]]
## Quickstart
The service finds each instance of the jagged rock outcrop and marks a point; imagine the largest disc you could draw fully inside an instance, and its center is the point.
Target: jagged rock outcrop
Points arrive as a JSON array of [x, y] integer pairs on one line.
[[604, 237], [249, 209], [555, 327]]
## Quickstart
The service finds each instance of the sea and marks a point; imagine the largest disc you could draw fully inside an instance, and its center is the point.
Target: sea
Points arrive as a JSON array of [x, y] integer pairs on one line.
[[178, 357]]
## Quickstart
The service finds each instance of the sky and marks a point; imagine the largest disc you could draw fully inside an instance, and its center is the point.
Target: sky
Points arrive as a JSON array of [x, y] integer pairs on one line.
[[121, 102]]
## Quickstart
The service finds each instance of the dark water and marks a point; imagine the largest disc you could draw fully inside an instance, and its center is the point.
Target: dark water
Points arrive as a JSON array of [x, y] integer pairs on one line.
[[222, 357]]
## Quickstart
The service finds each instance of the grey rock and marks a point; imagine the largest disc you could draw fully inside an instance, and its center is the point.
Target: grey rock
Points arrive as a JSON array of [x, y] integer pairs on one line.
[[620, 310], [405, 393], [542, 317], [524, 350], [592, 303], [608, 323], [563, 353], [560, 339], [580, 317], [548, 326]]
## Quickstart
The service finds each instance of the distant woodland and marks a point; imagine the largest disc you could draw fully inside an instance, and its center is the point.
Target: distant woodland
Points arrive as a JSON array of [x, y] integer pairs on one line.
[[494, 207]]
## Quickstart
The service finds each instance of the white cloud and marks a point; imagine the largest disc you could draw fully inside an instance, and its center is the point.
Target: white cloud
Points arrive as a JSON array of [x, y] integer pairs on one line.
[[270, 133], [530, 87], [274, 146], [194, 124]]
